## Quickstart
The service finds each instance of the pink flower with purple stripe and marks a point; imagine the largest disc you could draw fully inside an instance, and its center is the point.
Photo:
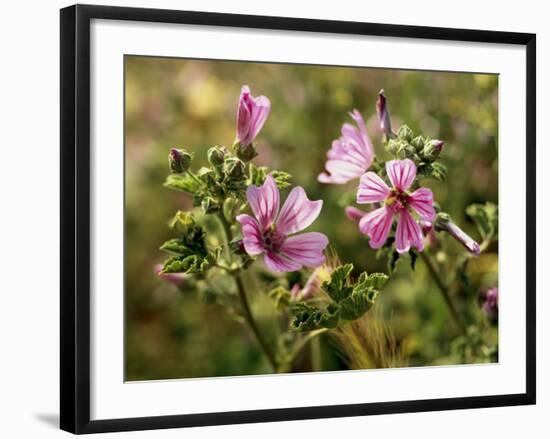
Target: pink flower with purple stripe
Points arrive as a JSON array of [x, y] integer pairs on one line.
[[397, 201], [251, 115], [351, 155], [269, 231]]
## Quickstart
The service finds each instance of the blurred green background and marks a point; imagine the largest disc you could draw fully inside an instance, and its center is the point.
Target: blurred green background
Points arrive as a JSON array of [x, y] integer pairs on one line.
[[192, 104]]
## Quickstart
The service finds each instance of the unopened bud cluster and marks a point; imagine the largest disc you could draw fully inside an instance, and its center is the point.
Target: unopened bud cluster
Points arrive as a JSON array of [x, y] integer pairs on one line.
[[419, 149]]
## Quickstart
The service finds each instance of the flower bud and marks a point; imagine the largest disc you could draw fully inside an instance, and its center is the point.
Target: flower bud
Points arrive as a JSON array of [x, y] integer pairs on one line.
[[405, 133], [311, 288], [246, 152], [438, 144], [209, 177], [429, 234], [313, 285], [216, 156], [295, 291], [443, 222], [490, 303], [235, 169], [393, 146], [432, 149], [179, 160], [418, 143], [251, 115], [383, 113]]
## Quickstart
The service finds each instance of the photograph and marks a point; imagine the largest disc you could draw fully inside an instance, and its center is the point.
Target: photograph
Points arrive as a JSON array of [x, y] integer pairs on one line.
[[294, 218]]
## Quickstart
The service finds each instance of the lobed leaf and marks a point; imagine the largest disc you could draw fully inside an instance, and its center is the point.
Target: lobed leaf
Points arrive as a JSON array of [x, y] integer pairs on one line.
[[182, 182]]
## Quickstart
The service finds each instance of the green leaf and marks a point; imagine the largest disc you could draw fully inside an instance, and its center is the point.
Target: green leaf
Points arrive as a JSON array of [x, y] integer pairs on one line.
[[182, 182], [257, 174], [375, 280], [433, 170], [309, 318], [485, 217], [336, 287], [192, 234], [185, 264], [439, 171], [282, 178], [349, 300], [176, 246], [358, 303]]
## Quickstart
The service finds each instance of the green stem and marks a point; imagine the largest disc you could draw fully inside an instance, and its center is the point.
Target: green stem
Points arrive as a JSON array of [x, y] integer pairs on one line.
[[252, 323], [244, 301], [316, 354], [299, 347], [444, 291]]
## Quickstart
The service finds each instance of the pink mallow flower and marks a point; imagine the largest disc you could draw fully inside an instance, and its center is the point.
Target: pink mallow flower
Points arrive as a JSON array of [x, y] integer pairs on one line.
[[397, 201], [251, 115], [351, 155], [268, 232]]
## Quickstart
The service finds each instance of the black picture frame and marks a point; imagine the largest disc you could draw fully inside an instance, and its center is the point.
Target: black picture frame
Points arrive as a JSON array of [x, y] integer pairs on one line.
[[75, 217]]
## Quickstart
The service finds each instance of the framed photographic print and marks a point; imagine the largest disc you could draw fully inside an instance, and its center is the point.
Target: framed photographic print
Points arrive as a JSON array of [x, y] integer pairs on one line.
[[267, 218]]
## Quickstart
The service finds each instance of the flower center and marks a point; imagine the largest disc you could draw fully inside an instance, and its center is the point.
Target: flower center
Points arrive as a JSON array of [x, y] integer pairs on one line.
[[397, 199], [272, 240]]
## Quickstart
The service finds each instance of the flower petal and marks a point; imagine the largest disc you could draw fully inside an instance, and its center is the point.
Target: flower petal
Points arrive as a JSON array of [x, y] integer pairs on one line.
[[252, 235], [377, 225], [401, 173], [260, 111], [408, 233], [372, 189], [342, 171], [251, 115], [277, 263], [264, 202], [368, 149], [421, 200], [350, 155], [356, 116], [323, 177], [298, 212], [354, 214], [305, 248], [243, 114]]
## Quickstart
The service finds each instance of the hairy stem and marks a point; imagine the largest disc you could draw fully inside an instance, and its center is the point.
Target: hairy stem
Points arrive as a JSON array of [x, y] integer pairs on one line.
[[444, 291], [241, 288]]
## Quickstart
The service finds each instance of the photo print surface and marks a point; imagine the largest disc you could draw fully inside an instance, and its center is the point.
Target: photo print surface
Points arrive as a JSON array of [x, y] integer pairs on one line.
[[284, 218]]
